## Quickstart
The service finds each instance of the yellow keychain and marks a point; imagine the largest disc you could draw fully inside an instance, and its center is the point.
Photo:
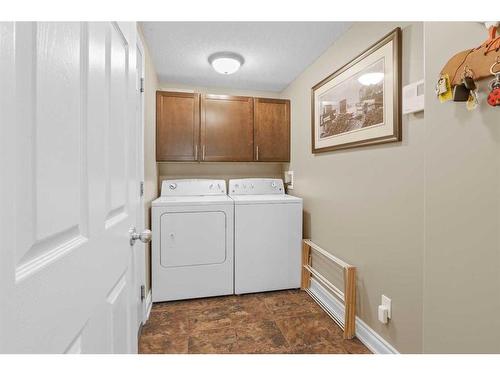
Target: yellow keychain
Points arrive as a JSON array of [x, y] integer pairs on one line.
[[443, 89], [472, 102]]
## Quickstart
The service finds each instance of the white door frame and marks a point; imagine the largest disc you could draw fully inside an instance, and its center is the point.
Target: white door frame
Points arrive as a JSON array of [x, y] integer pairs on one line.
[[140, 259]]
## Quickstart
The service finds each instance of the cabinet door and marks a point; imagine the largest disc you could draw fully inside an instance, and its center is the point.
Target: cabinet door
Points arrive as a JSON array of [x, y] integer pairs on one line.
[[226, 128], [177, 126], [272, 129]]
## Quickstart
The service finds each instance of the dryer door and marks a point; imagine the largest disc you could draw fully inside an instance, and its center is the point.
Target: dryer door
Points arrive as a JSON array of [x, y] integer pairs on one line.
[[193, 238]]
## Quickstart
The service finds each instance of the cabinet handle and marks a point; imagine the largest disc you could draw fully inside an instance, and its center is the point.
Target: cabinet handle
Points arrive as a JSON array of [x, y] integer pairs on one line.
[[257, 156], [203, 152], [195, 152]]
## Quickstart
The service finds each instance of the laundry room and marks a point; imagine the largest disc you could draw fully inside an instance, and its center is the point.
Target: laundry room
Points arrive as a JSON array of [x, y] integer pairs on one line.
[[230, 116], [267, 185]]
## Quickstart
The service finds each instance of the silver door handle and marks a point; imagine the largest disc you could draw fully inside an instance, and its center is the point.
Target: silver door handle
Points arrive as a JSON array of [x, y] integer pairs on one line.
[[257, 156], [203, 152], [196, 152], [145, 236]]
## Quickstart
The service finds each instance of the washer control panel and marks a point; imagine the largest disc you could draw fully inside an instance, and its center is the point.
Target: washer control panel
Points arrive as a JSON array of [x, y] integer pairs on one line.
[[256, 186], [193, 187]]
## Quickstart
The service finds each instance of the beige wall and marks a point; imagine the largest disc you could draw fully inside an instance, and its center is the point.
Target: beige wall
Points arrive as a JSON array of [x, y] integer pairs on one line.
[[170, 86], [221, 170], [462, 200], [366, 204], [150, 166]]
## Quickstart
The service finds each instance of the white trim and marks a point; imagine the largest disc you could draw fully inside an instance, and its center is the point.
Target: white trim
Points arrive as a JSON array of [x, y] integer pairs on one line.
[[141, 218], [149, 305], [364, 333]]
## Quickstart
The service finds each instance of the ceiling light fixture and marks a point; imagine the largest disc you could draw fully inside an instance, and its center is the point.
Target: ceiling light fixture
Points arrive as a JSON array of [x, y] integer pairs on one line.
[[368, 79], [226, 62]]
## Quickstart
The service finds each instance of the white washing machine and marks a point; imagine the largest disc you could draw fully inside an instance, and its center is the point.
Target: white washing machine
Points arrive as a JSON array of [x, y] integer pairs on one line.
[[192, 250], [267, 236]]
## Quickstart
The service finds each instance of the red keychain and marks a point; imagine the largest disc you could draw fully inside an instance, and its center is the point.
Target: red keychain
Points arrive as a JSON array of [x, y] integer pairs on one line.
[[494, 95]]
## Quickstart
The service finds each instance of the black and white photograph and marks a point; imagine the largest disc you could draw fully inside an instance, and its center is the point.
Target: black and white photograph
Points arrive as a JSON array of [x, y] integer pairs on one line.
[[354, 104], [360, 103]]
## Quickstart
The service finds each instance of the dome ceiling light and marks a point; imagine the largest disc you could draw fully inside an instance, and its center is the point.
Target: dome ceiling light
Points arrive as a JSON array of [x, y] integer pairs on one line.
[[226, 62]]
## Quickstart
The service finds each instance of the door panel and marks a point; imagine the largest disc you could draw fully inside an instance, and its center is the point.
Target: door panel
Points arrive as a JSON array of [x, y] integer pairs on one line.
[[227, 128], [116, 150], [48, 227], [118, 306], [73, 125], [272, 129], [177, 126]]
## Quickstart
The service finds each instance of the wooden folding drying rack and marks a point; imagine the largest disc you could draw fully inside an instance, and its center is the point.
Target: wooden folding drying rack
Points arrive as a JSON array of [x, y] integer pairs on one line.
[[348, 296]]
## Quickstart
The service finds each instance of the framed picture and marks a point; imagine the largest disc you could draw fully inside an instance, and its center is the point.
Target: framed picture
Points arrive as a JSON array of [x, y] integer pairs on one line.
[[360, 104]]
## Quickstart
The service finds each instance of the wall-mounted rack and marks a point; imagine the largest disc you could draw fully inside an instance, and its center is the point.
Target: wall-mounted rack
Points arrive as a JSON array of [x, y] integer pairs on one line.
[[479, 59], [348, 296]]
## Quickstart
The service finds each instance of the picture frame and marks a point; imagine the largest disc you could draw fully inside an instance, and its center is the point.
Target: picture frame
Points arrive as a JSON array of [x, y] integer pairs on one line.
[[360, 103]]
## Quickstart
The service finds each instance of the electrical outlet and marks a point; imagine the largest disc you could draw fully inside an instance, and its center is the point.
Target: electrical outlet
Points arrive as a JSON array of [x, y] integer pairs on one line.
[[386, 301], [382, 314], [384, 310], [289, 179]]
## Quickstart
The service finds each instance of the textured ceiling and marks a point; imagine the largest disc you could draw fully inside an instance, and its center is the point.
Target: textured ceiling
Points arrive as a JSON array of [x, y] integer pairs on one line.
[[275, 53]]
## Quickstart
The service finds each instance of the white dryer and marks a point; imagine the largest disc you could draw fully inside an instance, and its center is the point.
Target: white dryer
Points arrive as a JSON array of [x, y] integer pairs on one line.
[[192, 250], [267, 236]]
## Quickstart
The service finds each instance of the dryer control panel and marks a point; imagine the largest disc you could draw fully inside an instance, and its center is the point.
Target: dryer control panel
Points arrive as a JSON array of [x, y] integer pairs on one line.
[[256, 186], [195, 187]]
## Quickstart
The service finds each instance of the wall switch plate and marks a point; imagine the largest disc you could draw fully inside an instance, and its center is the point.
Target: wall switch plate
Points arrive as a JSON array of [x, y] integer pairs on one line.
[[413, 97], [289, 179], [386, 301]]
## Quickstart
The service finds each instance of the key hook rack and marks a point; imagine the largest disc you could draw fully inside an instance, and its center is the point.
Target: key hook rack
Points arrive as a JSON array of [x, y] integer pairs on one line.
[[479, 60]]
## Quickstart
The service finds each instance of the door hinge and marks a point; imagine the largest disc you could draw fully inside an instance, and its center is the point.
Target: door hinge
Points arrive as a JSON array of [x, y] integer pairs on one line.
[[141, 188], [143, 292], [141, 89]]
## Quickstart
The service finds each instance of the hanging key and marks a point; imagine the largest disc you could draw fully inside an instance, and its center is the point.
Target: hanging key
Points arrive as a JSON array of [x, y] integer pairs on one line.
[[460, 93], [469, 83]]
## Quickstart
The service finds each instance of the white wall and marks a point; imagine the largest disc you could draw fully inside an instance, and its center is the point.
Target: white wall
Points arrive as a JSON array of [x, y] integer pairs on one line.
[[462, 200], [366, 205]]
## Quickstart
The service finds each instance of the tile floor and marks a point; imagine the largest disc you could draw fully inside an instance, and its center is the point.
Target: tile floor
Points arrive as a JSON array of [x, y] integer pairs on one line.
[[274, 322]]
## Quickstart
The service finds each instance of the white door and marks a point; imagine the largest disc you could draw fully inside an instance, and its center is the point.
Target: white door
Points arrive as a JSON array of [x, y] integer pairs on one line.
[[69, 187]]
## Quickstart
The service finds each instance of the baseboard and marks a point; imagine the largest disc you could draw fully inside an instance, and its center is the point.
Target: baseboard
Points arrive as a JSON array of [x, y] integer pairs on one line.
[[149, 305], [364, 333]]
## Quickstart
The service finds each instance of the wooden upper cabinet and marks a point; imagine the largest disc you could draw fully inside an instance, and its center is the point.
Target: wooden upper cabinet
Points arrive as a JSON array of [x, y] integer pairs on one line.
[[226, 128], [177, 126], [272, 129]]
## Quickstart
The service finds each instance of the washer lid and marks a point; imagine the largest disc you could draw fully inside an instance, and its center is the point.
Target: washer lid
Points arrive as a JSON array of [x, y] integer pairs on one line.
[[265, 199], [192, 200]]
